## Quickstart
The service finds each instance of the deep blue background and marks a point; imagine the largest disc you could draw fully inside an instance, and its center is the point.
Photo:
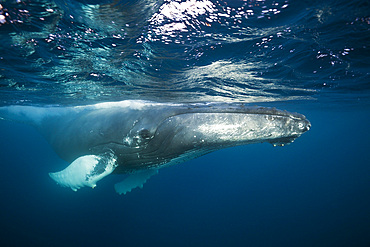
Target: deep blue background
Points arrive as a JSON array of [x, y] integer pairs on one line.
[[314, 192]]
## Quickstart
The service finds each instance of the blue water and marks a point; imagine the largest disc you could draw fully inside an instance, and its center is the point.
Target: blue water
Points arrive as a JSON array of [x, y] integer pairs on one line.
[[311, 57]]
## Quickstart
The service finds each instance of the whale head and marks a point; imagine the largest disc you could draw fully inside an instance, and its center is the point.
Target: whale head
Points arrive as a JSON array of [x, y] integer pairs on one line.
[[171, 136]]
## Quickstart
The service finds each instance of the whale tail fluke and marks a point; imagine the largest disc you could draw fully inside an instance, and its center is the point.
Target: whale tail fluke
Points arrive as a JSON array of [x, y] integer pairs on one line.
[[133, 181]]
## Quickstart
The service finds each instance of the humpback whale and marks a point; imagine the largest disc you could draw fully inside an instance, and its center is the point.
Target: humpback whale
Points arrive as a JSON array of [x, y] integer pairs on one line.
[[138, 137]]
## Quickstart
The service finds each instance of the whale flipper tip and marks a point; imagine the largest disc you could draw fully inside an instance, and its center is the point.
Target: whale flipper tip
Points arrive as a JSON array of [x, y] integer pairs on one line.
[[133, 181]]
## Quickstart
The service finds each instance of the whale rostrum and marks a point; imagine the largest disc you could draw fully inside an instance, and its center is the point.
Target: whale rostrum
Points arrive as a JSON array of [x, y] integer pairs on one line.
[[138, 137]]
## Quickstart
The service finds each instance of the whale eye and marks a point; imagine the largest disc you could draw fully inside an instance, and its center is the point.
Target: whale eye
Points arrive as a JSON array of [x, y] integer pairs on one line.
[[145, 134], [140, 138]]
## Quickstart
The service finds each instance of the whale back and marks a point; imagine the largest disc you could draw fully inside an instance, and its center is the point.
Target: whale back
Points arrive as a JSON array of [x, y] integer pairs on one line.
[[75, 131]]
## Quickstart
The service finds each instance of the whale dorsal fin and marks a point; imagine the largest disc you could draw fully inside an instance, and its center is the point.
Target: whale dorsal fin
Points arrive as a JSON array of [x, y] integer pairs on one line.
[[134, 180], [85, 171]]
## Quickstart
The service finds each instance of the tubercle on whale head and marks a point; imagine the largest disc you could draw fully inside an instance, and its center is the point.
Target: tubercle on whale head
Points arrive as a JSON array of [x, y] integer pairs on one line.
[[301, 126]]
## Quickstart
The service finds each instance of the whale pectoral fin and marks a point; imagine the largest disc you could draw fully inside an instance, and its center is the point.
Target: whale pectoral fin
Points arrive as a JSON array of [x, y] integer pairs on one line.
[[85, 171], [133, 181]]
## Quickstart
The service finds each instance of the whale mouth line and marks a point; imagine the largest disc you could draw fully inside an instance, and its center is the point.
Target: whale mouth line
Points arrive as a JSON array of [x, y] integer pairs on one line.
[[107, 144]]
